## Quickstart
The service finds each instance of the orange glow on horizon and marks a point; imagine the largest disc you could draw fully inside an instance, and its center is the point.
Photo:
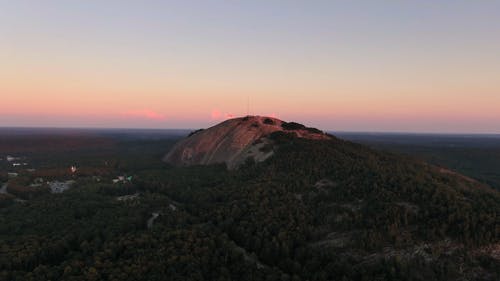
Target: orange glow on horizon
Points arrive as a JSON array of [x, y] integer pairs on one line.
[[175, 69], [145, 113]]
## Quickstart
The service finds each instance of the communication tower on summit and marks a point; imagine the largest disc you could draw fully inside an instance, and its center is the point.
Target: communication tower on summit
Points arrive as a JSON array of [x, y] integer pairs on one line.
[[248, 105]]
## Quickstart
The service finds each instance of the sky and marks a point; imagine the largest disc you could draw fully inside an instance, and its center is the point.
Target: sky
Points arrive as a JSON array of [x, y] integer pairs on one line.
[[398, 66]]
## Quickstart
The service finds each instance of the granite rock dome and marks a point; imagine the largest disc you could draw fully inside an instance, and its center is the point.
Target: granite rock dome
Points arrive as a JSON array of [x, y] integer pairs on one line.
[[234, 141]]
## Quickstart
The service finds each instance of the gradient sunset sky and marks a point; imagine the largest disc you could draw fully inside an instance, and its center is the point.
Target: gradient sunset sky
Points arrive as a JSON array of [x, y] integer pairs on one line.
[[407, 66]]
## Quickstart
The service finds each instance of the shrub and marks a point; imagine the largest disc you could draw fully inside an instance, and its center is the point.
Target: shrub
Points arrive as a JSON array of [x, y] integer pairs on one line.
[[314, 130], [268, 121], [6, 200], [195, 132], [292, 126], [266, 148], [3, 177], [27, 192]]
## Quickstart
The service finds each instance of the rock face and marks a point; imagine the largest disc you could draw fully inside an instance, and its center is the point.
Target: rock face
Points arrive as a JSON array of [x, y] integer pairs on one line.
[[234, 141]]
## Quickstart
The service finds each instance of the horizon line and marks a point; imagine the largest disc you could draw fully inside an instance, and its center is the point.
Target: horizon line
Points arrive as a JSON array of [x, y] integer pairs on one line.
[[190, 129]]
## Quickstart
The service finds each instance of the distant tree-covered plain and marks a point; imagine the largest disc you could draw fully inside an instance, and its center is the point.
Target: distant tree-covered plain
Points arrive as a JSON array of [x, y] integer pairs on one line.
[[477, 156], [316, 210]]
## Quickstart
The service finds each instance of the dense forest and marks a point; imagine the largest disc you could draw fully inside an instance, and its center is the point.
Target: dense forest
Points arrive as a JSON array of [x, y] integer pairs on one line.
[[316, 210]]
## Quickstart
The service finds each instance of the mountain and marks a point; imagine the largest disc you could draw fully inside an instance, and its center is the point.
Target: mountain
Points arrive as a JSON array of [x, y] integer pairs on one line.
[[327, 209], [235, 141]]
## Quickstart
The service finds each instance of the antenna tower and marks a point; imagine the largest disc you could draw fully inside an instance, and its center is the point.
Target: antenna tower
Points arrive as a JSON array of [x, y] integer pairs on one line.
[[248, 106]]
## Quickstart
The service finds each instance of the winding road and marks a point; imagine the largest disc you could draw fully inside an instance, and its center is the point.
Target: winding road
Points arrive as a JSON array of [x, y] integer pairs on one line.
[[152, 219], [3, 190]]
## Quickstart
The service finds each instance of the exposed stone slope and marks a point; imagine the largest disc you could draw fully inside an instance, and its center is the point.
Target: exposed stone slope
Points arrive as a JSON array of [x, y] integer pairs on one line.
[[234, 141]]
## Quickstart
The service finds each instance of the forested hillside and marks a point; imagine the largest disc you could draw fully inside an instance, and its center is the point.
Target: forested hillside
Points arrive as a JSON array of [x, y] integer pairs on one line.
[[477, 156], [316, 210]]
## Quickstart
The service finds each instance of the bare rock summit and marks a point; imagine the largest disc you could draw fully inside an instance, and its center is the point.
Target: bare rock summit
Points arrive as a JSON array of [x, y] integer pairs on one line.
[[235, 141]]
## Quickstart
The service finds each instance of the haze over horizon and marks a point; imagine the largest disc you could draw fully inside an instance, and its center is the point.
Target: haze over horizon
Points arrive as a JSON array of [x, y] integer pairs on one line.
[[341, 66]]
